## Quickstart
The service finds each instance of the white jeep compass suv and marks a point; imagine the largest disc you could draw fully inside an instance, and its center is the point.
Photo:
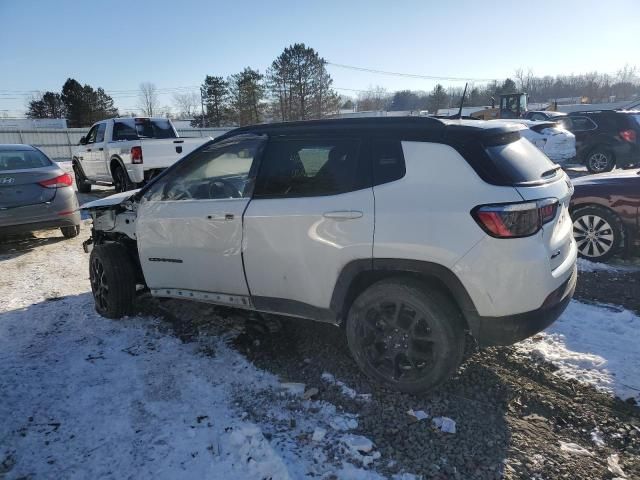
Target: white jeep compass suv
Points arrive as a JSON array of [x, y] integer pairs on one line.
[[408, 232]]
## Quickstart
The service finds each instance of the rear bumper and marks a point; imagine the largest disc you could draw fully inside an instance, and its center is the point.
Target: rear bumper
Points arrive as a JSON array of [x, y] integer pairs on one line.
[[510, 329], [66, 221]]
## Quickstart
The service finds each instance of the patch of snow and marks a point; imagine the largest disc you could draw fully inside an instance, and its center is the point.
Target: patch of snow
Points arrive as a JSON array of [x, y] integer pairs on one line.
[[418, 414], [596, 437], [318, 434], [88, 397], [614, 467], [593, 344], [344, 388], [444, 424], [588, 266], [574, 449], [293, 388]]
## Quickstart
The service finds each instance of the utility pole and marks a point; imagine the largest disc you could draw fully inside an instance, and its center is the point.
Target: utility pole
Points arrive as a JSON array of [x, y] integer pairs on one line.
[[202, 95]]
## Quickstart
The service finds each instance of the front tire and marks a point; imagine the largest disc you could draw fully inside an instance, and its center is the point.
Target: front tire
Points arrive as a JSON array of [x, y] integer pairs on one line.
[[112, 280], [81, 182], [598, 233], [600, 160], [406, 334], [71, 231]]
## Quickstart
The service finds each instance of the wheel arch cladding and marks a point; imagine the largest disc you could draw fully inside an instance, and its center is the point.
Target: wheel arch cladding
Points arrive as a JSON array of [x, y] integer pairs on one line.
[[358, 275]]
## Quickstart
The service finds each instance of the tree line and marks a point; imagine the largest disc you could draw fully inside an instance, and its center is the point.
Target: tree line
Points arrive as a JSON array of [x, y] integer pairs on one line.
[[296, 86], [81, 105], [592, 87]]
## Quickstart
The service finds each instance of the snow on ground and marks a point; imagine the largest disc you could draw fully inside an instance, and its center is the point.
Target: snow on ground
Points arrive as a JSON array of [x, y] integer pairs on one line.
[[594, 344], [613, 266], [87, 397]]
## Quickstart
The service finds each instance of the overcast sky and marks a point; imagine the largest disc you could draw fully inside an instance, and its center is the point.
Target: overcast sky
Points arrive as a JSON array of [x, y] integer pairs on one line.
[[119, 44]]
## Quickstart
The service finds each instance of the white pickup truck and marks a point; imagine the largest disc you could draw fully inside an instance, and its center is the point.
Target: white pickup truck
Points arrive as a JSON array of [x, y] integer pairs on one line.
[[126, 152]]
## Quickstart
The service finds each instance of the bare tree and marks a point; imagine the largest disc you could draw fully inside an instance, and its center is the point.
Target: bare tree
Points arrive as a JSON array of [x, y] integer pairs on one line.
[[148, 98], [187, 104]]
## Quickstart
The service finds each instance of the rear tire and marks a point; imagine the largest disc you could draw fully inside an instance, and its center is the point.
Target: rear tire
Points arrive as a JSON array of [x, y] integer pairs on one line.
[[121, 180], [406, 334], [81, 182], [112, 280], [71, 231], [600, 160], [598, 233]]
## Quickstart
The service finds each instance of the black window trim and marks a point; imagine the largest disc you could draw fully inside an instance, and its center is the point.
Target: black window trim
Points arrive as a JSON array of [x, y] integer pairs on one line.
[[386, 138], [93, 127]]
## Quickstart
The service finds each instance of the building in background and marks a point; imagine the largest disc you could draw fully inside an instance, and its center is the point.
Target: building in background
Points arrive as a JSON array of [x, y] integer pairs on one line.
[[32, 123]]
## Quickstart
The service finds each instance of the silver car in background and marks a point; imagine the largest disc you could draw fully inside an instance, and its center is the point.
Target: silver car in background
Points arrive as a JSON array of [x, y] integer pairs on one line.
[[35, 193]]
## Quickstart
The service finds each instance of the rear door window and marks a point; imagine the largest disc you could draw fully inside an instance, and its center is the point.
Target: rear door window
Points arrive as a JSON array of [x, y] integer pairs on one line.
[[582, 124], [22, 159], [308, 167]]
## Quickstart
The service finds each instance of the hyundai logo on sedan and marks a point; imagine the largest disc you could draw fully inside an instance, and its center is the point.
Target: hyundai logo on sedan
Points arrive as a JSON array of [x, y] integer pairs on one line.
[[7, 180]]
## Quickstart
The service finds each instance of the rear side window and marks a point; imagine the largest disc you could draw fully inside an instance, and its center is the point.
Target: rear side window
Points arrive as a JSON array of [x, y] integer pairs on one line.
[[521, 161], [137, 128], [388, 161], [308, 167], [581, 124], [22, 159]]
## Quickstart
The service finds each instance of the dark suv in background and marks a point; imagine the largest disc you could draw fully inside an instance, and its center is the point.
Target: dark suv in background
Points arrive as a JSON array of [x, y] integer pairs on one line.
[[605, 138]]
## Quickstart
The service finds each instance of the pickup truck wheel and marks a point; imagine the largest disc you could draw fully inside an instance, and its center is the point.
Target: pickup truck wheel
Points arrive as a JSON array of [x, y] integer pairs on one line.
[[121, 180], [406, 335], [112, 280], [81, 182]]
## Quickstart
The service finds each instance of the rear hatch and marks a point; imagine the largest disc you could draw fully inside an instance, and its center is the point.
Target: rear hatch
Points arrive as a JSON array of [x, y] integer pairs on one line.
[[536, 178]]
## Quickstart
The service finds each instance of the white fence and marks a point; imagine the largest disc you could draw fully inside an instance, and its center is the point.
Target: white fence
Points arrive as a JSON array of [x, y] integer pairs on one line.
[[58, 143]]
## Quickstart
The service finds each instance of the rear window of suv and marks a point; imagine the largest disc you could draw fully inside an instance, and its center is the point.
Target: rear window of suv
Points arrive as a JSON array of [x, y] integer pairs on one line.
[[137, 128], [22, 159], [520, 161]]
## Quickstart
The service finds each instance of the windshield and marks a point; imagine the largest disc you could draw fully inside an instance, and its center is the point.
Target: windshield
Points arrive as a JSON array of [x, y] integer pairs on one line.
[[137, 128], [521, 161], [22, 159]]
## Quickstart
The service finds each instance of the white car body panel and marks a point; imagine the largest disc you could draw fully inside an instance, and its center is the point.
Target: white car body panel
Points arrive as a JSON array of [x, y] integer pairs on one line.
[[426, 215], [115, 199], [192, 244], [295, 248]]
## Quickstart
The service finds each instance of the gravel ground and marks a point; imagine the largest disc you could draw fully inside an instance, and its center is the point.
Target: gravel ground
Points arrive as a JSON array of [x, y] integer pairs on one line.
[[511, 413]]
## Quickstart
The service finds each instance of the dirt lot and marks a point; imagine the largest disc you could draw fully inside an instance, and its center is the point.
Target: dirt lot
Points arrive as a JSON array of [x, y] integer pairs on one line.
[[513, 414]]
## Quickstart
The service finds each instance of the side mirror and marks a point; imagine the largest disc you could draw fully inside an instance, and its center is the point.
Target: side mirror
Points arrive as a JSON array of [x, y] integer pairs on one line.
[[83, 140]]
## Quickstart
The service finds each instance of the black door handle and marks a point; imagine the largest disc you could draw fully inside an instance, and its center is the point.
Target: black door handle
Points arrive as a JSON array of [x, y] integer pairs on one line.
[[88, 149], [101, 149]]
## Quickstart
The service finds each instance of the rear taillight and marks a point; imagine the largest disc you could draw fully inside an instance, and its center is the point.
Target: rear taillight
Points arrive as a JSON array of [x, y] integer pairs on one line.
[[628, 135], [515, 220], [61, 181], [136, 154]]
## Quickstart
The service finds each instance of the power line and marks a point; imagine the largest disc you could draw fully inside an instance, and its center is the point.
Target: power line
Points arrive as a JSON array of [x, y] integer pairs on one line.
[[410, 75]]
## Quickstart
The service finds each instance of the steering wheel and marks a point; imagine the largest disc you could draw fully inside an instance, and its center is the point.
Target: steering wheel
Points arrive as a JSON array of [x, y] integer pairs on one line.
[[224, 186], [178, 191]]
